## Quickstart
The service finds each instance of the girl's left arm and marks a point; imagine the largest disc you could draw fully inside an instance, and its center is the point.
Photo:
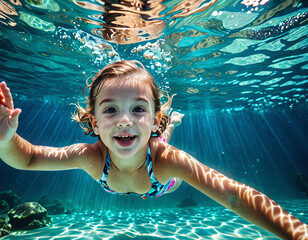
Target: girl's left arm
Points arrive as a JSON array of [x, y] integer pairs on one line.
[[245, 201]]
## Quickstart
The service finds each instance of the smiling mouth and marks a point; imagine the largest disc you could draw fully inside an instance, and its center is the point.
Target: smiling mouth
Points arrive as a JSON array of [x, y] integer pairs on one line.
[[125, 139]]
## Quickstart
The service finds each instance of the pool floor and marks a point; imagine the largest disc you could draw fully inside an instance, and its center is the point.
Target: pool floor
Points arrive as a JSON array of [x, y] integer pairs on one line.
[[170, 223]]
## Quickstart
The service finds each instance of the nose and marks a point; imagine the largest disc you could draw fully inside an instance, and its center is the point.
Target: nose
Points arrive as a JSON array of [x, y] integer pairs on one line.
[[124, 121]]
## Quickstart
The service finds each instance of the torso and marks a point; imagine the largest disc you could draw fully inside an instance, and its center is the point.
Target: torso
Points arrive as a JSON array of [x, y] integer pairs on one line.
[[139, 181]]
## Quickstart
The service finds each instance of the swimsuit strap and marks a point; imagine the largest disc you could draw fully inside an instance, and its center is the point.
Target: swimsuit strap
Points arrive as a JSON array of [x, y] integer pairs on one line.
[[103, 180], [149, 164], [157, 189]]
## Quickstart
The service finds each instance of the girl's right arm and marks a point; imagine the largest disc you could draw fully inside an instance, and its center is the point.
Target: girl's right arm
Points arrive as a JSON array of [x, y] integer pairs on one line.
[[20, 154]]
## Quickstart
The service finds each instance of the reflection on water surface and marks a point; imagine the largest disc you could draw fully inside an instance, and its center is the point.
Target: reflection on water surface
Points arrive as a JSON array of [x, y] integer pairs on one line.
[[226, 55]]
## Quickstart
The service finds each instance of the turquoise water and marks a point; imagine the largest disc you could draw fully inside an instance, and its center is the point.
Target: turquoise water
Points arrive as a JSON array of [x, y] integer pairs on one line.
[[172, 223], [231, 56], [240, 75]]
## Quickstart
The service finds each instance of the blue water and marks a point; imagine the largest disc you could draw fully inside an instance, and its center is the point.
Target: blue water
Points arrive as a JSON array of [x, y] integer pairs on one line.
[[172, 223], [241, 80]]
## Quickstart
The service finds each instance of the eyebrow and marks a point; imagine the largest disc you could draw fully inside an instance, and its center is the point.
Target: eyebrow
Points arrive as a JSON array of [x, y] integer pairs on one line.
[[105, 100], [135, 99]]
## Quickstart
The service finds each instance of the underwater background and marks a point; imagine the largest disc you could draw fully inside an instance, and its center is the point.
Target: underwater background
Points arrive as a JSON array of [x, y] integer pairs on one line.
[[239, 72]]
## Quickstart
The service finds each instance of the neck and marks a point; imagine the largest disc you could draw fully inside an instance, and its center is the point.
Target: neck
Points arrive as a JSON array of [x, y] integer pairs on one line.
[[130, 164]]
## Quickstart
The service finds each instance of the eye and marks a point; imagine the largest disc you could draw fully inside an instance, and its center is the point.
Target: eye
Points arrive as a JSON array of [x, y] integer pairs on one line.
[[110, 110], [138, 109]]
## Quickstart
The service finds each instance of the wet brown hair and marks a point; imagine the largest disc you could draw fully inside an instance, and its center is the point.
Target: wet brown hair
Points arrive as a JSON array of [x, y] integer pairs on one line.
[[112, 71]]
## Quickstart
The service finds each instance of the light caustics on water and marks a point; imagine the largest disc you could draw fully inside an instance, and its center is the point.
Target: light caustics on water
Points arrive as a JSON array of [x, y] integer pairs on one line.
[[122, 22], [183, 224], [226, 55], [213, 54]]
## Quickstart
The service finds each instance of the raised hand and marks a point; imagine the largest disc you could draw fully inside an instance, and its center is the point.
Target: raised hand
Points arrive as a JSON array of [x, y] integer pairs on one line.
[[8, 115]]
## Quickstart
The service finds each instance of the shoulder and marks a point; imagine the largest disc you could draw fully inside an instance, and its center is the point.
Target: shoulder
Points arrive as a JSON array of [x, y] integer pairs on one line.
[[170, 162], [164, 153], [166, 160], [87, 151], [93, 159]]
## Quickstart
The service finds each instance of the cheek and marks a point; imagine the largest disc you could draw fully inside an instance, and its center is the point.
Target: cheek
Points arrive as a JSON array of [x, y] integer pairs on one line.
[[145, 121], [104, 123], [106, 126]]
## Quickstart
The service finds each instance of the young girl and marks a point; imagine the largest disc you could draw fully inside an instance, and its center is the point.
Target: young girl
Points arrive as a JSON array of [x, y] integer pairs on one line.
[[124, 111]]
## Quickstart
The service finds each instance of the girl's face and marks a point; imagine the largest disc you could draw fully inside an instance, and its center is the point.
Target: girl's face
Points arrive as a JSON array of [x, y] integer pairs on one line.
[[124, 115]]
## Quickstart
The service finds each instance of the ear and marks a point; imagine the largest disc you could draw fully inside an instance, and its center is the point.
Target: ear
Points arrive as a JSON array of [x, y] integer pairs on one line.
[[156, 123], [94, 125]]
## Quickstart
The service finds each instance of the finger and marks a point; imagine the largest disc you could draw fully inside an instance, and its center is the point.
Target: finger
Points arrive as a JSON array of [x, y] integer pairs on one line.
[[8, 100], [2, 98], [1, 94], [13, 119]]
